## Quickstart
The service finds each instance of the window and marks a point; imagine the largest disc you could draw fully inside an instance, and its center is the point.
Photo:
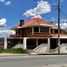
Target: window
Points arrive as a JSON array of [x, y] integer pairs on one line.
[[56, 31], [36, 29], [42, 29], [52, 31], [18, 31]]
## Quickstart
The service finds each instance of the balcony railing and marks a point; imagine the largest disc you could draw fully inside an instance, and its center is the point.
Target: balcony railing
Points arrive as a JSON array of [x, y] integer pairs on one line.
[[16, 35], [38, 34], [35, 34]]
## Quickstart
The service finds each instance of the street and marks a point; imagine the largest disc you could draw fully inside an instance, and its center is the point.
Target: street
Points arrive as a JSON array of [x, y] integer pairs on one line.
[[32, 61]]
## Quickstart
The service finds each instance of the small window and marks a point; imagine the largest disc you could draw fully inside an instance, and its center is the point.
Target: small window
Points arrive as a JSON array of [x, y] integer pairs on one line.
[[18, 31], [42, 29], [36, 29], [51, 30], [56, 31]]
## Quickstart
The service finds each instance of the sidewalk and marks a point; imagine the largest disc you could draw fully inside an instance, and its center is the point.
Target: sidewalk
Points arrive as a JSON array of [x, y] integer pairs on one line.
[[9, 54], [55, 65]]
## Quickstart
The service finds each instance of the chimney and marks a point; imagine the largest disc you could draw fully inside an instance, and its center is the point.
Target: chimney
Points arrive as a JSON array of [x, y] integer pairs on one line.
[[21, 22]]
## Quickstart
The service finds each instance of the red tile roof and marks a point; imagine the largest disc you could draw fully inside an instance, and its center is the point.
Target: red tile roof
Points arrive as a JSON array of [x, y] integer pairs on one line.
[[36, 21]]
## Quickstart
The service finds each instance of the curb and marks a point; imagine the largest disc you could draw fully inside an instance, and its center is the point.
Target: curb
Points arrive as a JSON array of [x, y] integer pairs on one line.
[[5, 54], [48, 54]]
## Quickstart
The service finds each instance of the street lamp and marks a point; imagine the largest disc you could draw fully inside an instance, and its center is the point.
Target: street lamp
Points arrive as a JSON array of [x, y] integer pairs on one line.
[[58, 27]]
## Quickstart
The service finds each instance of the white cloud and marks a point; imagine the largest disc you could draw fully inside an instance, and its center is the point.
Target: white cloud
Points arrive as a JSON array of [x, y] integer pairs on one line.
[[62, 25], [29, 13], [5, 2], [8, 3], [42, 7], [37, 16], [2, 1], [63, 20], [3, 21]]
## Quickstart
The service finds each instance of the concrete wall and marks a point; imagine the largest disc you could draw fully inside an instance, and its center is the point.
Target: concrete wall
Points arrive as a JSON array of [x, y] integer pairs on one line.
[[63, 48], [18, 46]]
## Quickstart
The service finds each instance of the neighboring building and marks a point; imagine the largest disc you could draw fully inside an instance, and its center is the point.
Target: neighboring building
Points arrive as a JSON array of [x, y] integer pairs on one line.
[[36, 32]]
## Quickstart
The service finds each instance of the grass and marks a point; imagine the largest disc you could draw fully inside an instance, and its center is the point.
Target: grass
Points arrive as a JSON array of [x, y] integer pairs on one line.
[[15, 51]]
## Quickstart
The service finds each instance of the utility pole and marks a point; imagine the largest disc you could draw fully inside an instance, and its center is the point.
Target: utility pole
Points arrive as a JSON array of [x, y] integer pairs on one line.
[[58, 27], [58, 43]]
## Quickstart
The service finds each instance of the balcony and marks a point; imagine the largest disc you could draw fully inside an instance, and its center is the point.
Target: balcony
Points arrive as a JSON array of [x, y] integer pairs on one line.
[[37, 34], [15, 37]]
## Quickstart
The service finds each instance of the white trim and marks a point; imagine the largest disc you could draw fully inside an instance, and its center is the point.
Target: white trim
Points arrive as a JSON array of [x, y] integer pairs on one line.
[[39, 29], [32, 30], [49, 30]]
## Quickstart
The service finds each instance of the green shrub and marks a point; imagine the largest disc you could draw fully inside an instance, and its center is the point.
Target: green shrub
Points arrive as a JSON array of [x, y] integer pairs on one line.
[[17, 50]]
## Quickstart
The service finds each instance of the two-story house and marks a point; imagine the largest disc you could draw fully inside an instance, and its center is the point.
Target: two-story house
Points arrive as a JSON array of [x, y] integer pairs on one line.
[[37, 31]]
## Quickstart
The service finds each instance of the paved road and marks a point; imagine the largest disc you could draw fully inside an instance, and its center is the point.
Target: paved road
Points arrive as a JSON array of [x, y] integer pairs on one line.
[[32, 61]]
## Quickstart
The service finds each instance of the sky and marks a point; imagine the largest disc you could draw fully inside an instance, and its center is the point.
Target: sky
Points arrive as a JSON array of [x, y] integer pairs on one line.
[[11, 11]]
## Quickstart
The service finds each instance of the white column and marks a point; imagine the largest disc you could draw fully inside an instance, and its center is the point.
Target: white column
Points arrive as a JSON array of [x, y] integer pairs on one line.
[[32, 30], [24, 43], [49, 44], [49, 30], [5, 43], [39, 29], [53, 31]]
